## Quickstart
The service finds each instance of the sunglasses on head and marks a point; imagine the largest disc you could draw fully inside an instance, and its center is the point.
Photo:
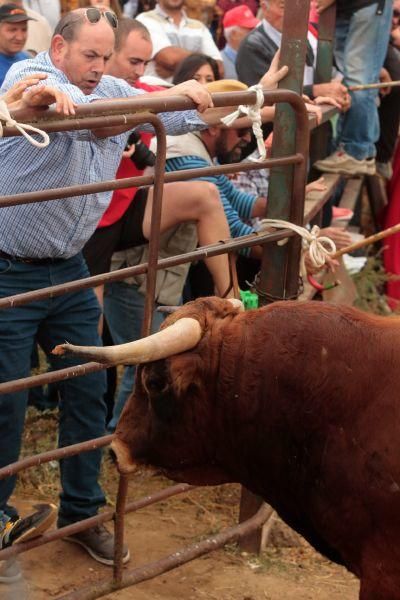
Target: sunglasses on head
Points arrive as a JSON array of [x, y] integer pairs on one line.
[[94, 14]]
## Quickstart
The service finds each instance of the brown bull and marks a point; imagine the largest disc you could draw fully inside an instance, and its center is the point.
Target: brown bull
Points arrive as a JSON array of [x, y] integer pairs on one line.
[[299, 402]]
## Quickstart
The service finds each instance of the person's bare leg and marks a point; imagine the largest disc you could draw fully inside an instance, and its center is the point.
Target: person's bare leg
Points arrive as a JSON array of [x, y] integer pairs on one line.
[[197, 201]]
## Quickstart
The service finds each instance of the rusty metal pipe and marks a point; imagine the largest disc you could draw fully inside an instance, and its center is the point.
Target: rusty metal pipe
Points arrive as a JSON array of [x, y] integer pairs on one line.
[[103, 517], [57, 454], [253, 239], [142, 181], [177, 559], [119, 522], [50, 118]]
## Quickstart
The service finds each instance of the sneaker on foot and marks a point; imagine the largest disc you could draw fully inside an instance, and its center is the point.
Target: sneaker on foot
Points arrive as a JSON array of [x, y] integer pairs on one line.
[[342, 163], [9, 571], [385, 170], [21, 530], [99, 543]]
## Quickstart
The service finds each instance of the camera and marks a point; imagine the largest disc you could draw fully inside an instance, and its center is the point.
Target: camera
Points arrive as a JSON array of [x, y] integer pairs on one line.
[[142, 157]]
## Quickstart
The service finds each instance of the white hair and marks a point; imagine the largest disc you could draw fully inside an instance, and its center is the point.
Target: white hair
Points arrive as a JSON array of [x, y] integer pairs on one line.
[[229, 30]]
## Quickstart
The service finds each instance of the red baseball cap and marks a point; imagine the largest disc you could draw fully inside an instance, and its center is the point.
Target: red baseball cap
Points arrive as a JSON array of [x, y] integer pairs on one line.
[[240, 16]]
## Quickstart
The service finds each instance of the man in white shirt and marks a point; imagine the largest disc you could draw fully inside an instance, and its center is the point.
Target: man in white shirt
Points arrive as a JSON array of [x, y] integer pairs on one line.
[[175, 36]]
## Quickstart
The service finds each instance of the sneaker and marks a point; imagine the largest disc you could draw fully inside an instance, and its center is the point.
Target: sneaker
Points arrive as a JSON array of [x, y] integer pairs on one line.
[[9, 571], [21, 530], [385, 170], [342, 163], [99, 543]]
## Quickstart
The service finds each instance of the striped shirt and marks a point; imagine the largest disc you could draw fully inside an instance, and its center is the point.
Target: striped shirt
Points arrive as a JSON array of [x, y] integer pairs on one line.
[[60, 228]]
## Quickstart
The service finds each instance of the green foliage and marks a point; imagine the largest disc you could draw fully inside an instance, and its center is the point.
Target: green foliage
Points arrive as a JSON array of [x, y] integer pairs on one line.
[[370, 284]]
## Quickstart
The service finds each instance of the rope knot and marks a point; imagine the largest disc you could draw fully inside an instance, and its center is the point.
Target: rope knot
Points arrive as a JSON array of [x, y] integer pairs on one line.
[[253, 111], [22, 127], [319, 247]]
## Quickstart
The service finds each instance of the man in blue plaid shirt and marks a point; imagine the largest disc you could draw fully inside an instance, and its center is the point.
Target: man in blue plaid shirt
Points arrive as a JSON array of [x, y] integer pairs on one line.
[[40, 245]]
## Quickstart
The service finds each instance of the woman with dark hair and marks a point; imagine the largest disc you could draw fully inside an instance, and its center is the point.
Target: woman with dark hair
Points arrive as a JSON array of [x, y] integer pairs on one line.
[[201, 67]]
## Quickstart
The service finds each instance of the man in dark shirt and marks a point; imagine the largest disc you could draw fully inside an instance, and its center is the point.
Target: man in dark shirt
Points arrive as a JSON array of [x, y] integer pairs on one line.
[[362, 36], [257, 50]]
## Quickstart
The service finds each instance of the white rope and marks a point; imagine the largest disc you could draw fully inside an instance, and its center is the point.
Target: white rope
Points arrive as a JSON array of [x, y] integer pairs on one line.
[[319, 247], [253, 111], [22, 127]]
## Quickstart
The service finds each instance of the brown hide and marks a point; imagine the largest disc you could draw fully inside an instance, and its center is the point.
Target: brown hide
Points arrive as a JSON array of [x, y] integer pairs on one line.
[[298, 402]]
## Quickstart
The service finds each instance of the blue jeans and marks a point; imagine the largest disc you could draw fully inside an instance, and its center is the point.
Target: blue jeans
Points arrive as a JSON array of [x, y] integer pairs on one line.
[[73, 317], [361, 46], [123, 309]]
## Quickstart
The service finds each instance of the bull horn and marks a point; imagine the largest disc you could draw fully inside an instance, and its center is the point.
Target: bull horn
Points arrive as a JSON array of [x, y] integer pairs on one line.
[[236, 303], [181, 336], [167, 310]]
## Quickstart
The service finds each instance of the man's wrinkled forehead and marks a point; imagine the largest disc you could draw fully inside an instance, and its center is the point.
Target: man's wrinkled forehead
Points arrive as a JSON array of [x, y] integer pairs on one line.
[[98, 38]]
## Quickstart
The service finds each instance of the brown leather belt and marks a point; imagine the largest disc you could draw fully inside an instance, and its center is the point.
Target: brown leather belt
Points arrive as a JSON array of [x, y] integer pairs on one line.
[[31, 261]]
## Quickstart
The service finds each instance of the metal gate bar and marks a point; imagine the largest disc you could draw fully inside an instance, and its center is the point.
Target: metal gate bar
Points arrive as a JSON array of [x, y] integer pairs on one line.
[[109, 114]]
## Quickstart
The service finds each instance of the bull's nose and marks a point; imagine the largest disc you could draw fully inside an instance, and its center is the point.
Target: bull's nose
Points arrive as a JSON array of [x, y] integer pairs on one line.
[[125, 463]]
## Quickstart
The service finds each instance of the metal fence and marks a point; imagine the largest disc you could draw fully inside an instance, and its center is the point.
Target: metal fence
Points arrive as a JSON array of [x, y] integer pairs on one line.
[[279, 277]]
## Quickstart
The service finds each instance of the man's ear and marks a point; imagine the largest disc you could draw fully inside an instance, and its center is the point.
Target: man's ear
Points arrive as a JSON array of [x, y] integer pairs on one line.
[[213, 131], [57, 46]]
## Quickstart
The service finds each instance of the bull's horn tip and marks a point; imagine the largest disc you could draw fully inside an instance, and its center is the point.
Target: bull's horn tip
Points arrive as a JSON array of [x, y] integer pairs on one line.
[[236, 303], [168, 309]]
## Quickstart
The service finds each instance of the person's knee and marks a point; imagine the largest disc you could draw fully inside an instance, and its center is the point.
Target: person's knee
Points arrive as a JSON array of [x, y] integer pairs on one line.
[[210, 197]]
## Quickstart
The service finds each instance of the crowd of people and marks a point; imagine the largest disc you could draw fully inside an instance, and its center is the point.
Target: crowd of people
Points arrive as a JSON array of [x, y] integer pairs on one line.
[[71, 52]]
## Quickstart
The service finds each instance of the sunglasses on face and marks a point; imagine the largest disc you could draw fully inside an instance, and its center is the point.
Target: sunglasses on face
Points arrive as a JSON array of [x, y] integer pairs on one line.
[[94, 14], [243, 132]]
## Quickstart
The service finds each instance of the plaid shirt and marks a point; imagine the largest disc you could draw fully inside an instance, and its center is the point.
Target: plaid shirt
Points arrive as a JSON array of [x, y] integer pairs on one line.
[[60, 228]]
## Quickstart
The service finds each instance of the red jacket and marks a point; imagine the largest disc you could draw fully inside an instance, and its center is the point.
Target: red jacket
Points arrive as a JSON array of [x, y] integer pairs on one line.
[[121, 199]]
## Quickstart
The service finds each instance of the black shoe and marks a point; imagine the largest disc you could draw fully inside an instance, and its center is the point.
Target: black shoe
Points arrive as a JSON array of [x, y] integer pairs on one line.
[[99, 543], [21, 530]]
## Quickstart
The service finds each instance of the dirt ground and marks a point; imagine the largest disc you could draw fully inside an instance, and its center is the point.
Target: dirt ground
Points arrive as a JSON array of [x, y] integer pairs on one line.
[[282, 572]]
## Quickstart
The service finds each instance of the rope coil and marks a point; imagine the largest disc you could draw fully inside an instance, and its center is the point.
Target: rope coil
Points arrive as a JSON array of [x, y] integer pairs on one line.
[[22, 127], [253, 111]]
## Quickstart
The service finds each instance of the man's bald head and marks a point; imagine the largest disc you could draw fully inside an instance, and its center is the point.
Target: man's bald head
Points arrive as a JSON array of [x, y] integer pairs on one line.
[[81, 49]]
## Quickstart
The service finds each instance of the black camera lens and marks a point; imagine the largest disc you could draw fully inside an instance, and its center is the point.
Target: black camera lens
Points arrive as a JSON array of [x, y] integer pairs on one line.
[[142, 157]]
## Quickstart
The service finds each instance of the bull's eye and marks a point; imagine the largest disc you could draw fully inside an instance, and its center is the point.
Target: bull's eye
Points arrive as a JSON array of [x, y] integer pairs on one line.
[[155, 379]]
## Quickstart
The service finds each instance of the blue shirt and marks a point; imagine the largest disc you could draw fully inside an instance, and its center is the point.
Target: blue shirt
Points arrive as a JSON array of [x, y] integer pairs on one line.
[[7, 61], [60, 228], [229, 57]]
